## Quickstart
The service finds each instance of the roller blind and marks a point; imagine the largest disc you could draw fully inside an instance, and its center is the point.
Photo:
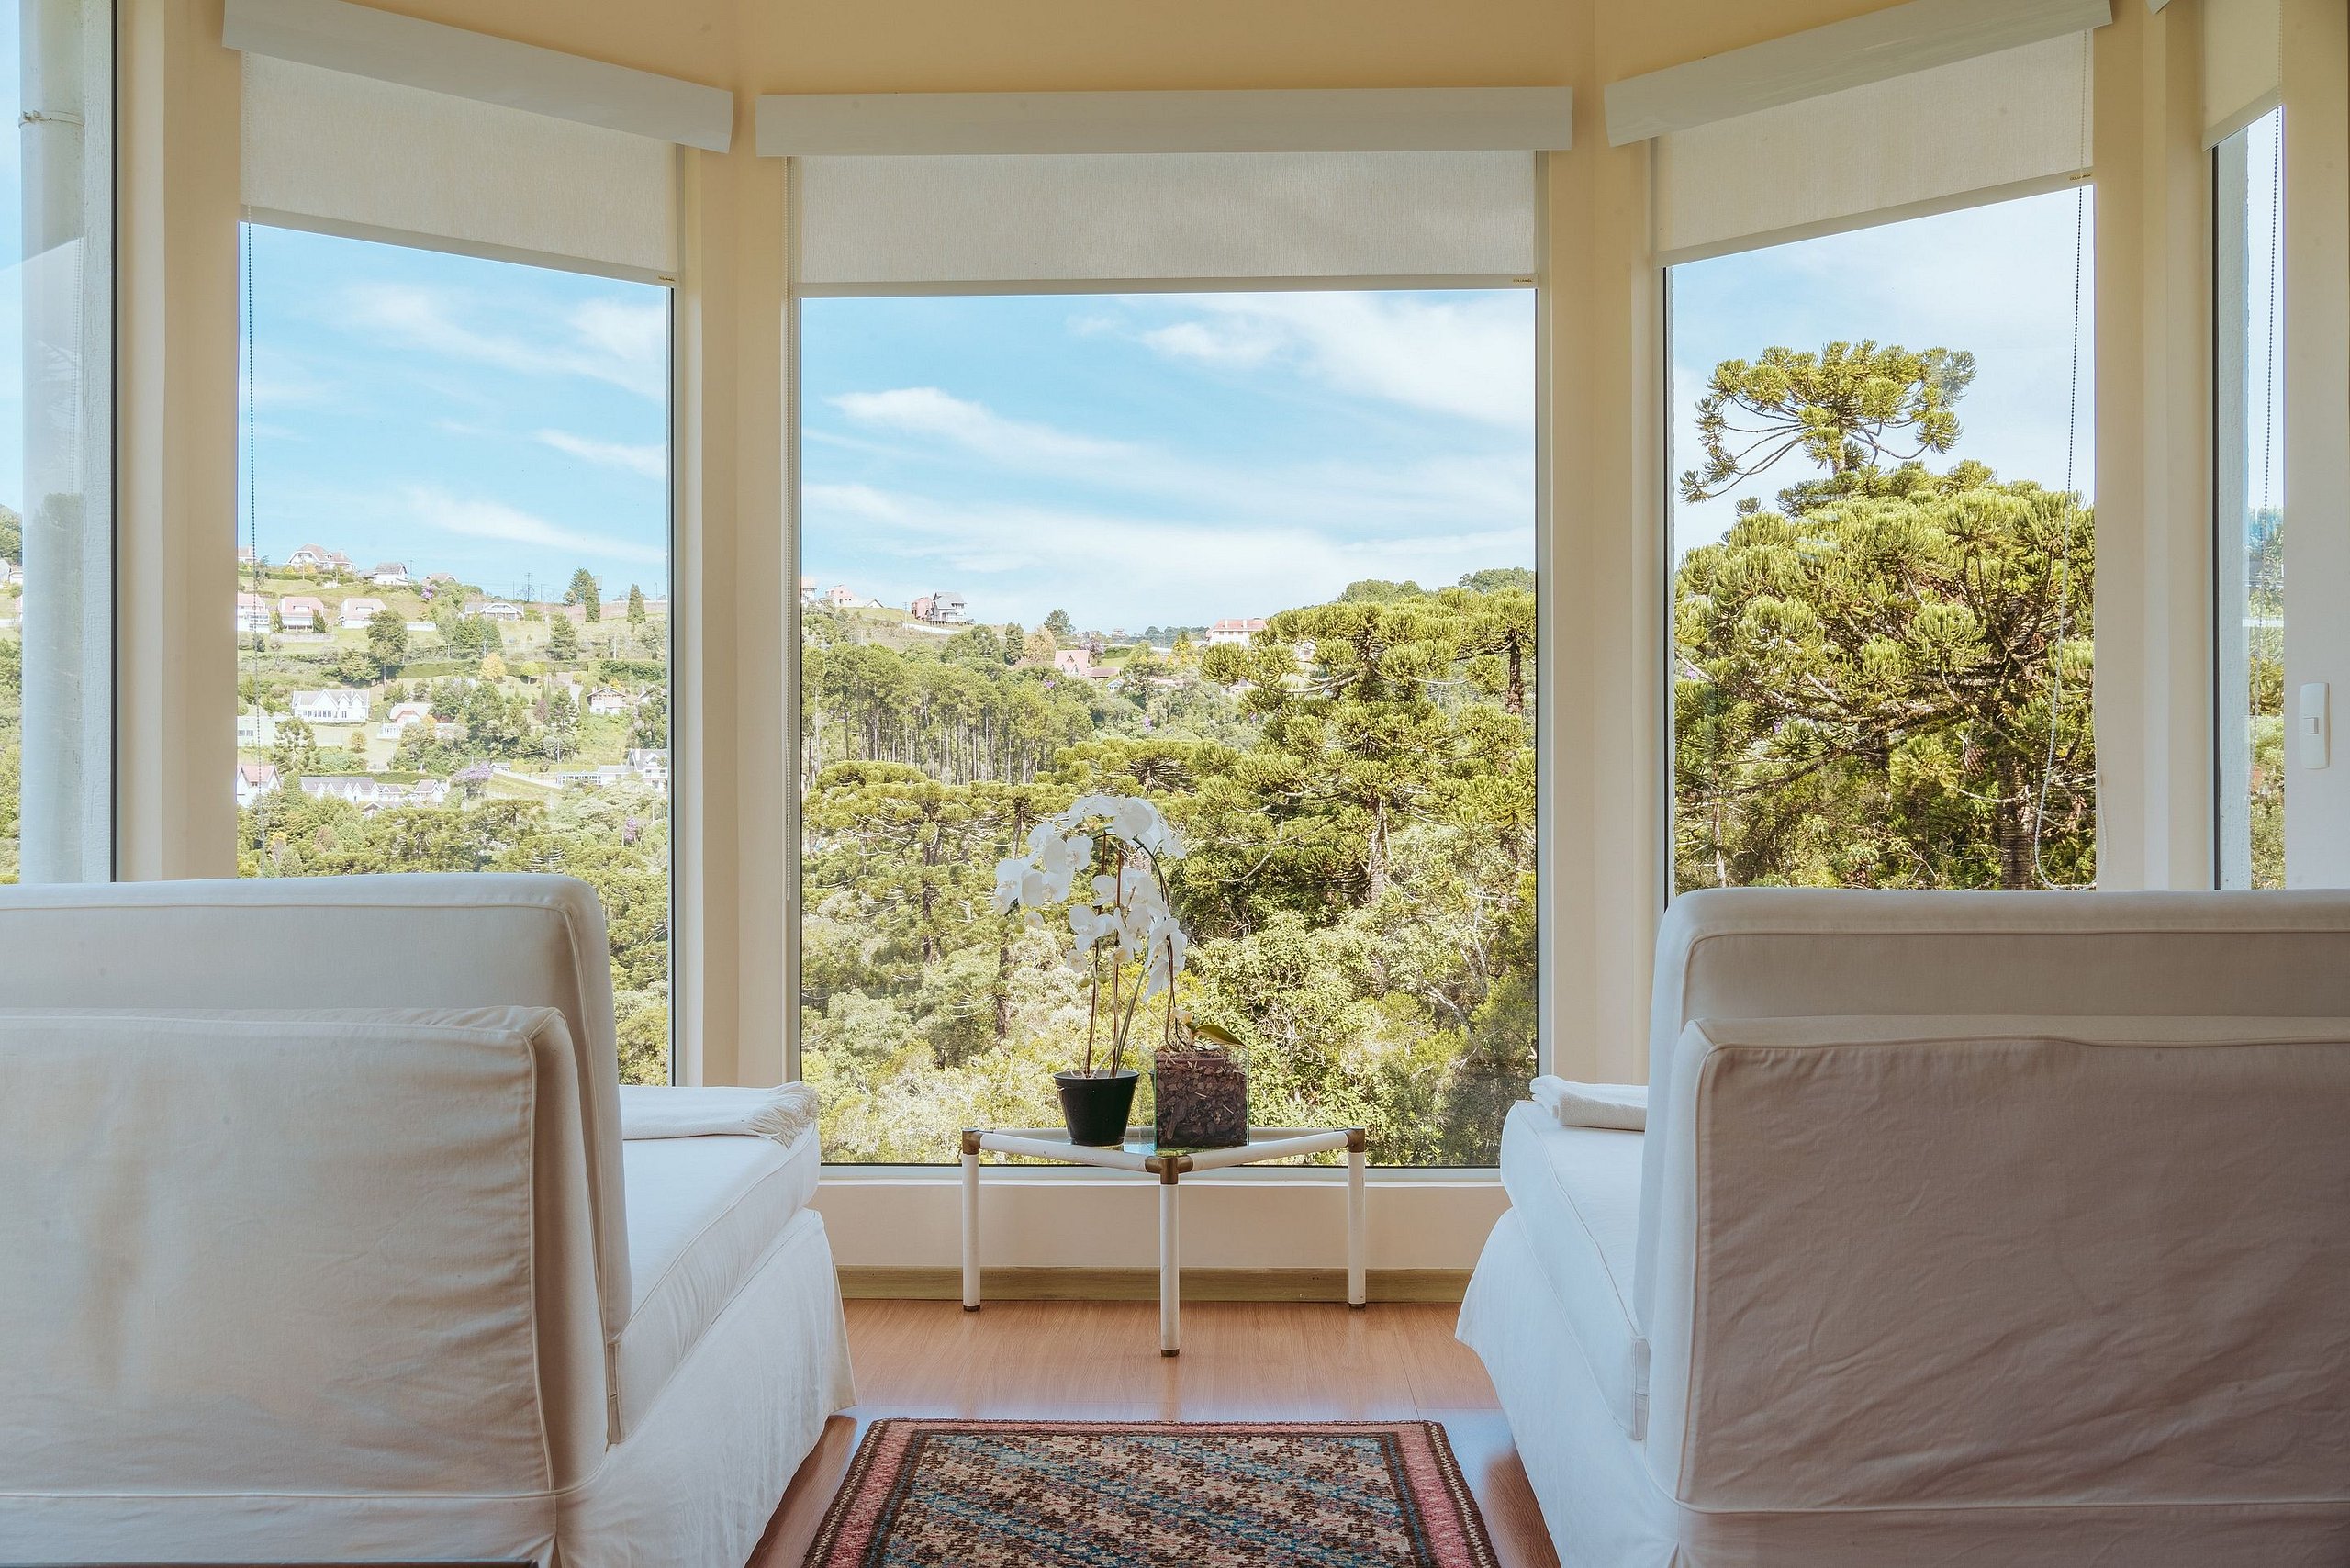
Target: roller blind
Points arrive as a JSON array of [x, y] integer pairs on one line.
[[916, 222], [1977, 130], [349, 154], [2243, 64]]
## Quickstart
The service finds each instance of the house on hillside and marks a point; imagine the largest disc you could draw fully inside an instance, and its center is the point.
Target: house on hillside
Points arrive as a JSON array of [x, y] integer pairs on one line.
[[608, 701], [300, 613], [338, 562], [255, 729], [495, 610], [12, 576], [389, 573], [807, 590], [357, 612], [1235, 631], [307, 558], [939, 608], [244, 554], [1080, 662], [252, 612], [435, 581], [652, 763], [840, 595], [334, 706], [402, 716], [255, 780]]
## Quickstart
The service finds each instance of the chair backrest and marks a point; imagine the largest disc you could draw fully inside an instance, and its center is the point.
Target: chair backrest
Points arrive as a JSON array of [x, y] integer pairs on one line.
[[1982, 1262], [336, 1252], [421, 940], [1793, 953]]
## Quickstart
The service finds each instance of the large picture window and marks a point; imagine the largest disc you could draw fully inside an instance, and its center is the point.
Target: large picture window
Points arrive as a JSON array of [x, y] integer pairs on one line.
[[1263, 558], [1882, 562], [56, 443], [453, 607], [2249, 490]]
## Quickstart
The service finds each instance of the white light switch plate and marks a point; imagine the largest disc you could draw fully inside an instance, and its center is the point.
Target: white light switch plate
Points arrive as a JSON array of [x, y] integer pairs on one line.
[[2309, 723]]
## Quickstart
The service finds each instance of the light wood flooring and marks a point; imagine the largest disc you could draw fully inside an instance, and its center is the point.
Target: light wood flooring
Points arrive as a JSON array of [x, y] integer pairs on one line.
[[1100, 1360]]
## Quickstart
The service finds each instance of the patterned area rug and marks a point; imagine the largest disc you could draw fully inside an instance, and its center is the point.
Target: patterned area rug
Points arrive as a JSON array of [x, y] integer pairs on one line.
[[1153, 1495]]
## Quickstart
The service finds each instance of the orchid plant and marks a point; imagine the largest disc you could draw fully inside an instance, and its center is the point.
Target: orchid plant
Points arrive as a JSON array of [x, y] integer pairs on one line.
[[1105, 859]]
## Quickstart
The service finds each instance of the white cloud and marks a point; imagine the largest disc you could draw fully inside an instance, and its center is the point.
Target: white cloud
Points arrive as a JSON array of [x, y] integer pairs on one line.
[[1472, 358], [926, 410], [650, 461], [623, 344], [1111, 569], [476, 519]]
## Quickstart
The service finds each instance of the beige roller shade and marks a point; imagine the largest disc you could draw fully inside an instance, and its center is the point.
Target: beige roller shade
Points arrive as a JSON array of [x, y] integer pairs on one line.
[[349, 154], [901, 222], [2243, 64], [1955, 135]]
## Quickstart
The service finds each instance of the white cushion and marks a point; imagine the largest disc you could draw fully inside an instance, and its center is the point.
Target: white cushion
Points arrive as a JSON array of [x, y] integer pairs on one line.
[[1576, 1191], [1805, 952], [703, 1213], [454, 939], [2004, 1262]]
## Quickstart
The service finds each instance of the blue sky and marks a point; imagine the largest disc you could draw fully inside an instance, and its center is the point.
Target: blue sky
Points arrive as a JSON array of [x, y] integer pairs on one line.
[[503, 422], [1996, 280], [1137, 460], [1164, 459]]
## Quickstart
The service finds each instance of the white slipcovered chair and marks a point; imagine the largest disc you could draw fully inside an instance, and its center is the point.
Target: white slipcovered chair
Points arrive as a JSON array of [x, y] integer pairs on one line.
[[320, 1242], [1965, 1228]]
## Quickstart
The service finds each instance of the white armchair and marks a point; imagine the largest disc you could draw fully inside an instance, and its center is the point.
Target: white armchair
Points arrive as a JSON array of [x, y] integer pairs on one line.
[[377, 1280], [1966, 1228]]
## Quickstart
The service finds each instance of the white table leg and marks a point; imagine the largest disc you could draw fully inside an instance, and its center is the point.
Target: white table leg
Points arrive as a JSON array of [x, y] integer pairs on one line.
[[1170, 1272], [970, 1223], [1356, 1292]]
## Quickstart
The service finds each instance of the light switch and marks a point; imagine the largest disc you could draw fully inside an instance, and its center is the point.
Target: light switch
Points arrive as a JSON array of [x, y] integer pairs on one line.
[[2310, 722]]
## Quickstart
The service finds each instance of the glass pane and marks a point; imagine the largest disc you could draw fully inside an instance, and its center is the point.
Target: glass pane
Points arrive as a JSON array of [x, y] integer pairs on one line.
[[452, 617], [2249, 554], [1883, 556], [57, 445], [1265, 561]]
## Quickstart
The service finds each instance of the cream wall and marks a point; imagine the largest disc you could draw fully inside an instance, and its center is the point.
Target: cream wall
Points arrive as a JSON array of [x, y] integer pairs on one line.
[[1601, 361]]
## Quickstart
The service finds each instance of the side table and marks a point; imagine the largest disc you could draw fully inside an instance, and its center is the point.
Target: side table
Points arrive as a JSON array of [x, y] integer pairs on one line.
[[1140, 1154]]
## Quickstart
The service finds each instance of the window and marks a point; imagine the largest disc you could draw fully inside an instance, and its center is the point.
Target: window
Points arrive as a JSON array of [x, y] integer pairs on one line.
[[453, 607], [2249, 485], [1883, 563], [56, 445], [1265, 558]]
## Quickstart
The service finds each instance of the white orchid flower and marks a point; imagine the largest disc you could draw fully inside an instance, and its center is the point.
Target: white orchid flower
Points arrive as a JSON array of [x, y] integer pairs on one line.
[[1034, 920], [1134, 819], [1105, 889], [1033, 888], [1040, 835]]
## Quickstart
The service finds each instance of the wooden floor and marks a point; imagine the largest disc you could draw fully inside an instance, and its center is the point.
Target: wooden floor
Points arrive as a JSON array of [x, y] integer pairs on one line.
[[1100, 1360]]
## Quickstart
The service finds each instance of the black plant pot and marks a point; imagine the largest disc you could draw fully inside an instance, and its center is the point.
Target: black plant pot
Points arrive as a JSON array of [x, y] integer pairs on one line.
[[1095, 1108]]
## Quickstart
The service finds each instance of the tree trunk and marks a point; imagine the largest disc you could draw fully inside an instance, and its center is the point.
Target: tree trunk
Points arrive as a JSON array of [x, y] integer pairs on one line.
[[1514, 698], [1374, 868], [2011, 828]]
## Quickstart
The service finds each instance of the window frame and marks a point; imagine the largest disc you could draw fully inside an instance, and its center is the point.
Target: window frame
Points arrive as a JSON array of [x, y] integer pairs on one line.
[[672, 532], [1547, 782]]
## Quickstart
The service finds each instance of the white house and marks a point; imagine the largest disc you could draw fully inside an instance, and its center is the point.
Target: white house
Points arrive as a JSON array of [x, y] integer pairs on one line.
[[940, 607], [307, 558], [357, 612], [389, 573], [338, 562], [255, 780], [840, 595], [606, 701], [257, 729], [300, 613], [1235, 631], [335, 706], [495, 610], [807, 590], [11, 575], [252, 612]]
